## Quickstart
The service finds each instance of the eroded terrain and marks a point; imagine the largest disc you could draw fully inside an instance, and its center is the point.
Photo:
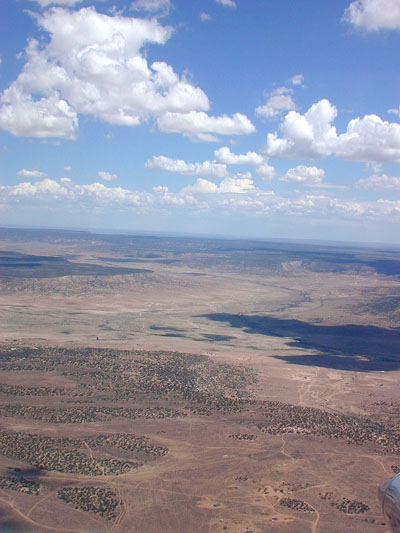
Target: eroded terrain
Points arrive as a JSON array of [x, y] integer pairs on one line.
[[175, 384]]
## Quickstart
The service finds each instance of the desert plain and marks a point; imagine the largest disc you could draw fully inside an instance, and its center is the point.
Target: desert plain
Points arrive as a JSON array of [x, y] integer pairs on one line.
[[179, 384]]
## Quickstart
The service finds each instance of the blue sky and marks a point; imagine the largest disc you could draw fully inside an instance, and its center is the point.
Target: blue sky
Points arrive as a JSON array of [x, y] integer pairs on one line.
[[252, 118]]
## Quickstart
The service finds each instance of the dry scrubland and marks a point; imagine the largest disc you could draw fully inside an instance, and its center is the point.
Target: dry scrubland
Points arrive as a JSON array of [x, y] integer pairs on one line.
[[175, 385]]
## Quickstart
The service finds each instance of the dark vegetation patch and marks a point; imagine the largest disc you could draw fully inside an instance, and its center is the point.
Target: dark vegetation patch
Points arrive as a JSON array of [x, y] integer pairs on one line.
[[387, 305], [161, 261], [103, 501], [18, 390], [16, 265], [196, 379], [84, 413], [296, 505], [59, 455], [128, 442], [219, 338], [83, 455], [20, 484], [174, 335], [281, 418], [242, 436], [350, 506], [167, 328], [231, 254]]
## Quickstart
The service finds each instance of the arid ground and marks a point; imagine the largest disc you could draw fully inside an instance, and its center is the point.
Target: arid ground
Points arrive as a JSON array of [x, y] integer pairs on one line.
[[170, 384]]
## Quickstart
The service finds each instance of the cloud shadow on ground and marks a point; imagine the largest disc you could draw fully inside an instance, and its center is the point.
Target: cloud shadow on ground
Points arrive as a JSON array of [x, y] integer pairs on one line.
[[345, 347]]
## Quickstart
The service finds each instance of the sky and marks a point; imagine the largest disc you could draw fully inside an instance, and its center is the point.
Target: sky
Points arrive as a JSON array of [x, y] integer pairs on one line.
[[251, 118]]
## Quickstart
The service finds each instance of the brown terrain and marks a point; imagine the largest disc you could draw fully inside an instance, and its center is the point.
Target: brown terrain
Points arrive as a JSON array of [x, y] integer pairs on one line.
[[160, 384]]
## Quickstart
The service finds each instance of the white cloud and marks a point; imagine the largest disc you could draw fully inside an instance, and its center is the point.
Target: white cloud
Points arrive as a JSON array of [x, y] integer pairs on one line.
[[226, 3], [370, 139], [390, 208], [266, 172], [69, 3], [160, 189], [103, 195], [304, 175], [106, 176], [201, 186], [312, 136], [304, 136], [200, 126], [70, 194], [236, 195], [68, 168], [263, 170], [31, 174], [40, 189], [374, 15], [92, 64], [379, 181], [205, 17], [238, 185], [395, 111], [50, 116], [224, 155], [151, 6], [297, 79], [206, 168], [279, 100]]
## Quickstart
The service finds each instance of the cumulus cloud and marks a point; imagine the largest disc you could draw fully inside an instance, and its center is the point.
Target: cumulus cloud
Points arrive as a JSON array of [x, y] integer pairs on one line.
[[379, 181], [93, 64], [266, 172], [233, 195], [206, 168], [279, 101], [69, 3], [297, 79], [31, 174], [304, 136], [201, 186], [224, 155], [395, 111], [68, 168], [238, 185], [49, 191], [151, 6], [226, 3], [205, 17], [263, 170], [47, 188], [50, 116], [199, 126], [370, 139], [106, 176], [390, 208], [160, 188], [374, 15], [304, 175], [312, 136]]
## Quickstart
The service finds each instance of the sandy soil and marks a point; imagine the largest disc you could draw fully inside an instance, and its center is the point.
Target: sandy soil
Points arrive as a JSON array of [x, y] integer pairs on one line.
[[208, 481]]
